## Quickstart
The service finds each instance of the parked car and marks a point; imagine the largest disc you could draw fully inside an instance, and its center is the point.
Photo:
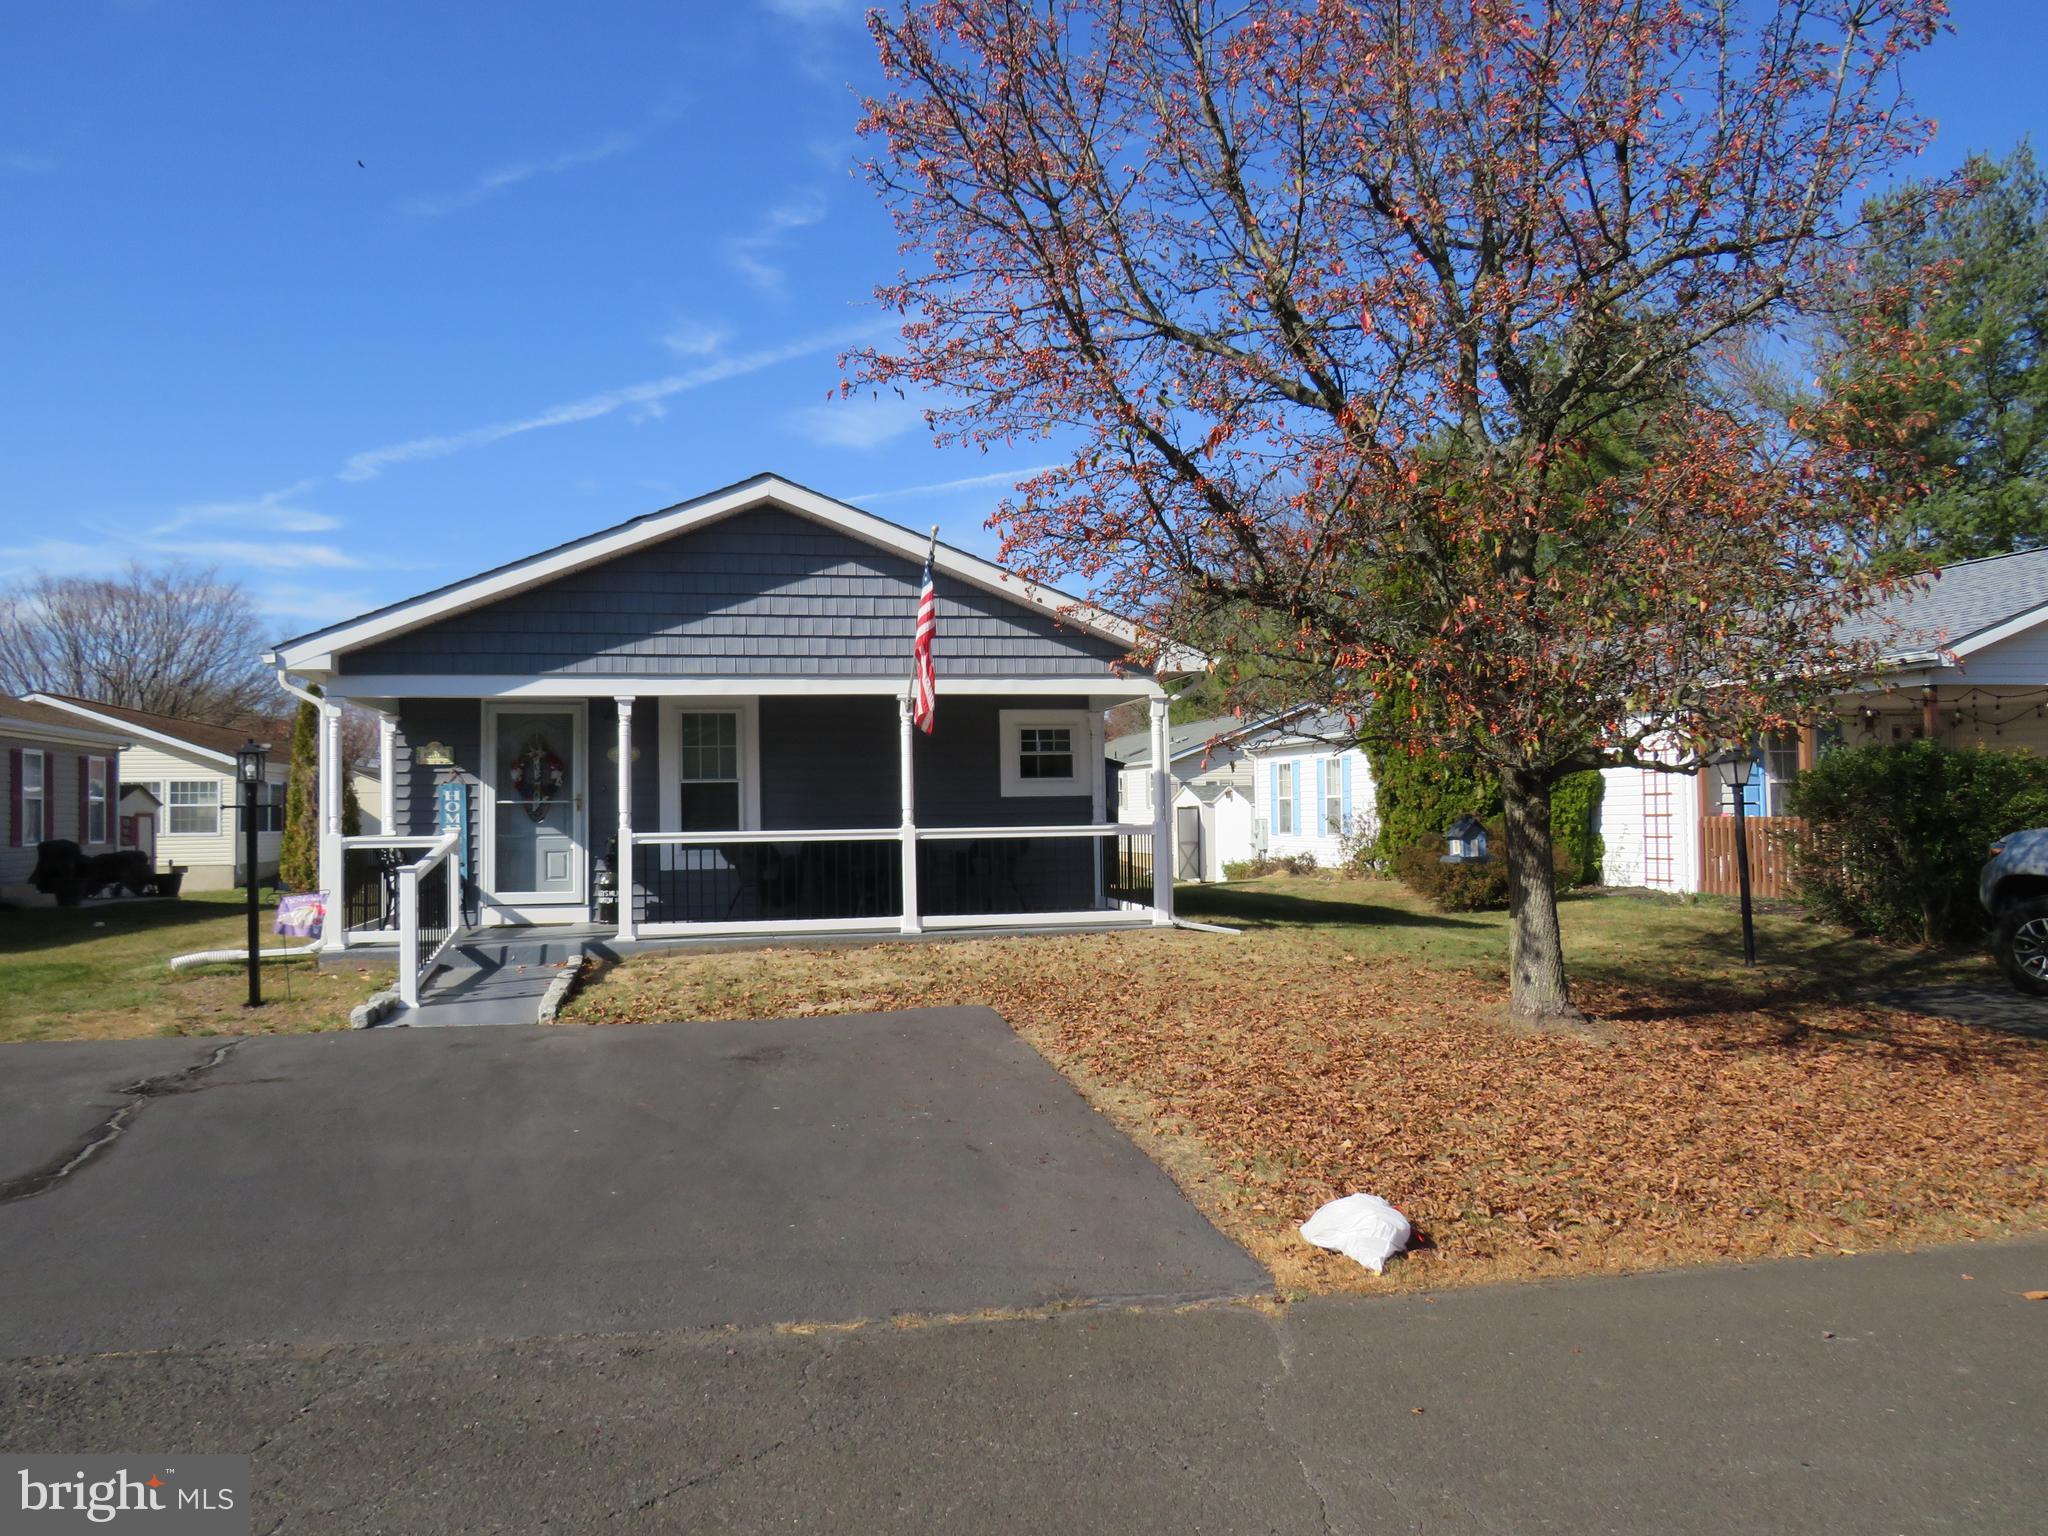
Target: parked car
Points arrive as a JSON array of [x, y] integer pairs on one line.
[[2014, 890]]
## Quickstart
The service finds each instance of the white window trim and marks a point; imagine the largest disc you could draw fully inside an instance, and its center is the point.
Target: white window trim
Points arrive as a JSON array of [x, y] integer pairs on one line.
[[1284, 826], [1330, 798], [671, 758], [40, 795], [171, 809], [97, 798], [1010, 727]]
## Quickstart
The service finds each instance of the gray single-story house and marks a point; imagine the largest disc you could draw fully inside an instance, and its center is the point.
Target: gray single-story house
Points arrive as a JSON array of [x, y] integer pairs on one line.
[[698, 723]]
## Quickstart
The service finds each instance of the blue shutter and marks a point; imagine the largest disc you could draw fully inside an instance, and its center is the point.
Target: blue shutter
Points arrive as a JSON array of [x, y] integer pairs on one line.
[[1759, 778]]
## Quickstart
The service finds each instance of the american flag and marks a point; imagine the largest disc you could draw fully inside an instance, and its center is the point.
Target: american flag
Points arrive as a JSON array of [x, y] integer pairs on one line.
[[924, 704]]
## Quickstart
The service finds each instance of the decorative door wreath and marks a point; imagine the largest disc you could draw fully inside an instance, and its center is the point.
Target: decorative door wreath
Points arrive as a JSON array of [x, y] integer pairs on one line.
[[537, 775]]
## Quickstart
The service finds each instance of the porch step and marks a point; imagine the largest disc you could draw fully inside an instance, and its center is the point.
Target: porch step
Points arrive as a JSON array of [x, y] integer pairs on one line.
[[493, 981]]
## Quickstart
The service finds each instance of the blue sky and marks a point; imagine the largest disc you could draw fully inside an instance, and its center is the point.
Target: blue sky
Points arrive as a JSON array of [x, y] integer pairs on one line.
[[595, 259]]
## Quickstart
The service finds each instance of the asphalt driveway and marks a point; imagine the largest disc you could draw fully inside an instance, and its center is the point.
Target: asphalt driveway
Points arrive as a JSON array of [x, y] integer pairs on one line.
[[529, 1181]]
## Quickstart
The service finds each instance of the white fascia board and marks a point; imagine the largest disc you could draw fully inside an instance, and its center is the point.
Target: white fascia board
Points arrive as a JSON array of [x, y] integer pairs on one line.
[[80, 736], [427, 685], [2018, 624], [308, 652], [109, 724]]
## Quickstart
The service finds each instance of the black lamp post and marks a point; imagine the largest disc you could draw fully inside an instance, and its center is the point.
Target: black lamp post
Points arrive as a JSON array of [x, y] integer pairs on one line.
[[1740, 763], [249, 769]]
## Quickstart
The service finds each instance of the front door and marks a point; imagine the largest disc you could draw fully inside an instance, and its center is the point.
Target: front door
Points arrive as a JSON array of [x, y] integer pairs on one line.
[[536, 837]]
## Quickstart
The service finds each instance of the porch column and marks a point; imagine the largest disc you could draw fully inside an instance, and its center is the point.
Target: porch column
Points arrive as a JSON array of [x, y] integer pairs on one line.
[[387, 747], [622, 867], [335, 932], [906, 734], [1162, 819], [1930, 713]]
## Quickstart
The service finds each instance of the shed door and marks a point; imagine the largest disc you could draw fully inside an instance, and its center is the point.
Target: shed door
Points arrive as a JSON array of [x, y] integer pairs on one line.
[[1187, 821]]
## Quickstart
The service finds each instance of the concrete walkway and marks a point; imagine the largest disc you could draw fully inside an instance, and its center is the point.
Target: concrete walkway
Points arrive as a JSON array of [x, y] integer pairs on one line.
[[1888, 1394]]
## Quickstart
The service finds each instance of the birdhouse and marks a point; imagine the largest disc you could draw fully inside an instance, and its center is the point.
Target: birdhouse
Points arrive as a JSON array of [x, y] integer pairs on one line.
[[1465, 842]]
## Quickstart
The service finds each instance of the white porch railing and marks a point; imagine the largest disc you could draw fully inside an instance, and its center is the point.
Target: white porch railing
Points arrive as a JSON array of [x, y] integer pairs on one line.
[[429, 915], [884, 879], [366, 911]]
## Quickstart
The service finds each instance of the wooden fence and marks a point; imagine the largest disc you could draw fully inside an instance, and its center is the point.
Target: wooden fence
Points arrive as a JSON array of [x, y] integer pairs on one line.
[[1770, 854]]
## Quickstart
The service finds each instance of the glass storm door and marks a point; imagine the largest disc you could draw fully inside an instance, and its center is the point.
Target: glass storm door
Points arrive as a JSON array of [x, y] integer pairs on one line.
[[537, 836]]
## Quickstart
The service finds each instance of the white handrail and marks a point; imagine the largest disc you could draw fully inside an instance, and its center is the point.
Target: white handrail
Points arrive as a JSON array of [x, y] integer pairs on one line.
[[879, 834], [412, 965], [1099, 829]]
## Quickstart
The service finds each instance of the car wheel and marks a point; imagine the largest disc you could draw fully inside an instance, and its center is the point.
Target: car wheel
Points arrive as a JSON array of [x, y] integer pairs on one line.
[[2022, 945]]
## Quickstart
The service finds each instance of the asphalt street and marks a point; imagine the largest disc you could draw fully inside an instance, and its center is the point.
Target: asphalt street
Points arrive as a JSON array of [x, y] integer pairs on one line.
[[1871, 1395]]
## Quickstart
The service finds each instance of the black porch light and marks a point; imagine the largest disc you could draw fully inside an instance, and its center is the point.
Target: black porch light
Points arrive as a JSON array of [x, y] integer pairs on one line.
[[1465, 842], [249, 760]]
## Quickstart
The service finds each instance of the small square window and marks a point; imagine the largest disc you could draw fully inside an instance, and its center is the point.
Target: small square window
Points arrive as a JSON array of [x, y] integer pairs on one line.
[[1044, 753]]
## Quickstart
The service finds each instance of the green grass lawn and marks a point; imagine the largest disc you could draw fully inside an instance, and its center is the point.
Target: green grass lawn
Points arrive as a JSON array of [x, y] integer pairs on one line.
[[99, 972]]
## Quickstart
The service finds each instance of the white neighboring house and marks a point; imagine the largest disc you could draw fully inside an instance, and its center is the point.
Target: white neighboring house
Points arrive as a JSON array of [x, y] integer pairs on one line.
[[1312, 787], [1964, 662], [56, 782], [190, 768], [1212, 792]]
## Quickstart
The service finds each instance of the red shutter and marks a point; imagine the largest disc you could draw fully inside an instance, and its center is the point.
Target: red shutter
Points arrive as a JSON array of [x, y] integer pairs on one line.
[[14, 795]]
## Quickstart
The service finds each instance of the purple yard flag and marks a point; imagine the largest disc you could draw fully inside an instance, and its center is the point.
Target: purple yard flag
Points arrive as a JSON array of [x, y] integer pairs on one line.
[[302, 916]]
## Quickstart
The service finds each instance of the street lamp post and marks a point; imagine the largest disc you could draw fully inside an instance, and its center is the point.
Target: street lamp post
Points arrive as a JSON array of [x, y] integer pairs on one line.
[[1740, 764], [249, 770]]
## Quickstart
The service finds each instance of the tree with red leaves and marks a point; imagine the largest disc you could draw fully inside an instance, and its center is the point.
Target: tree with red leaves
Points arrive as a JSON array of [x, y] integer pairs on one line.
[[1386, 336]]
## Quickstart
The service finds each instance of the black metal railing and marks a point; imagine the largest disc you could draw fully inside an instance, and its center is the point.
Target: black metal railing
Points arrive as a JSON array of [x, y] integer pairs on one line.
[[1130, 867], [989, 875], [783, 880], [433, 912], [369, 886]]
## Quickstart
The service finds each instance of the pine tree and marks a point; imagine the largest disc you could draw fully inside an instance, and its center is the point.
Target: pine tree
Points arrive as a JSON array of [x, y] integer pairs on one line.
[[298, 862]]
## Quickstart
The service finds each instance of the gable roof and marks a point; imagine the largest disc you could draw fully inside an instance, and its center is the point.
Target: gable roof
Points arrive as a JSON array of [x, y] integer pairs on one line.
[[1134, 750], [1305, 726], [25, 717], [1959, 608], [314, 651], [216, 741]]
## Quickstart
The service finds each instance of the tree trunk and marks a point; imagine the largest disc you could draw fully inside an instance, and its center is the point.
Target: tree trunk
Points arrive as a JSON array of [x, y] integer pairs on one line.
[[1537, 991]]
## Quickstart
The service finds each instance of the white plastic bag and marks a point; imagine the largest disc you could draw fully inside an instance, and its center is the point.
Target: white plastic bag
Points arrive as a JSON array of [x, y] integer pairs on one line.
[[1361, 1227]]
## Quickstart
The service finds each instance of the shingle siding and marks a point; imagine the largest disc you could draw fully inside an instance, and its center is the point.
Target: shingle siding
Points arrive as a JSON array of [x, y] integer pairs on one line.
[[764, 593]]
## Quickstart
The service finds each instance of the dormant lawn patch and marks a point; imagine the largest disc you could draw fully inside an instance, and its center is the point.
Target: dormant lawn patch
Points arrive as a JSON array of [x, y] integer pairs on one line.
[[1348, 1040], [99, 972]]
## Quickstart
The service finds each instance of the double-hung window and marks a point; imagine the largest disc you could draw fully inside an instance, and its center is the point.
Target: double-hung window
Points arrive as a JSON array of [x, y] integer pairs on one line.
[[1333, 797], [96, 800], [194, 808], [1283, 799], [35, 797], [708, 770]]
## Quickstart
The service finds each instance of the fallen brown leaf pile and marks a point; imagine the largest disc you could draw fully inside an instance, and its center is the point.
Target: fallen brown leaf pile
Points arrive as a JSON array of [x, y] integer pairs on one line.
[[1270, 1077]]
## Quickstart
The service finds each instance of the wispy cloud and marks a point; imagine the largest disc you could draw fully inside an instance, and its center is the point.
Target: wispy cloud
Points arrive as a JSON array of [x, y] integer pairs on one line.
[[491, 183], [753, 253], [271, 511], [263, 554], [812, 10], [1006, 478], [19, 162], [692, 338], [862, 422], [372, 462]]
